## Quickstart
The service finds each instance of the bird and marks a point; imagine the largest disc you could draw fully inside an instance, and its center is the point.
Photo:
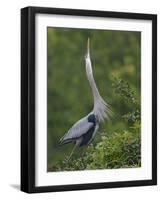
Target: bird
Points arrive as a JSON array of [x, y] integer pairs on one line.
[[84, 130]]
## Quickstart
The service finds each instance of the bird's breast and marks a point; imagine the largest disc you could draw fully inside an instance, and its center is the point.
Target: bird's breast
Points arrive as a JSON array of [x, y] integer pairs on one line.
[[88, 137]]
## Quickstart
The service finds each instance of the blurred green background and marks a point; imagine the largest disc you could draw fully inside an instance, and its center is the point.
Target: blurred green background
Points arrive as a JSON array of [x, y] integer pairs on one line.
[[114, 54]]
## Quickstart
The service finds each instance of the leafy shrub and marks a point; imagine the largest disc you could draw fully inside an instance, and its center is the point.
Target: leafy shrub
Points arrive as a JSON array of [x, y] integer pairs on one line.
[[120, 150], [123, 89]]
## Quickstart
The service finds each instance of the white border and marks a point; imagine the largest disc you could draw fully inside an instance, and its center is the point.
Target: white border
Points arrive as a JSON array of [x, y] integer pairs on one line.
[[92, 176]]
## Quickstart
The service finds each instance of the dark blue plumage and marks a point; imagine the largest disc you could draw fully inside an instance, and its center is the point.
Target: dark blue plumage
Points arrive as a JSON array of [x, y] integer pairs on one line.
[[92, 118], [87, 137]]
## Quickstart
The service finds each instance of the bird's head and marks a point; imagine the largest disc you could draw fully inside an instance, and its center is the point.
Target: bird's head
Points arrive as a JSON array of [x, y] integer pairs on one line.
[[88, 60], [87, 55]]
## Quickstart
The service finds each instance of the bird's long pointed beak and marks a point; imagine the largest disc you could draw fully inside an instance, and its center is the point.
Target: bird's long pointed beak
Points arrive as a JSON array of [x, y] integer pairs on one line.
[[88, 46]]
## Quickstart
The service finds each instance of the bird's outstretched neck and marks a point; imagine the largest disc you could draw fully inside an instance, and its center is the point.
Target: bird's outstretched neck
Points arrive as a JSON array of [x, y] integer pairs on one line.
[[101, 108]]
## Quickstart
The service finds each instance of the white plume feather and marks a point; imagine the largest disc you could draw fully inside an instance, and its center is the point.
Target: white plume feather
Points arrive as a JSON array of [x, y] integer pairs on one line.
[[101, 108]]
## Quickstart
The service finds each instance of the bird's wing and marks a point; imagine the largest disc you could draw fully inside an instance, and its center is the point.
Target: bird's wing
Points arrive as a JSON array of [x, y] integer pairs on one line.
[[78, 129]]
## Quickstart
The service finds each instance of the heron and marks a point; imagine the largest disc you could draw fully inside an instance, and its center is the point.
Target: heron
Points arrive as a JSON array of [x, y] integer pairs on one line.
[[84, 130]]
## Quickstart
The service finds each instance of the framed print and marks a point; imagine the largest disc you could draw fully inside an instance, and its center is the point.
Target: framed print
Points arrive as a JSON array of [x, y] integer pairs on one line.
[[88, 99]]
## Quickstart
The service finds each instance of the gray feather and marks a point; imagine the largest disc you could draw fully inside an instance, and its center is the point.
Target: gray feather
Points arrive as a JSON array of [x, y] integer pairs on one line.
[[78, 129]]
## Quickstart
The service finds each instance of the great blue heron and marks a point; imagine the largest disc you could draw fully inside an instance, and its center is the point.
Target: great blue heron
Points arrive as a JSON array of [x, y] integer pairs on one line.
[[83, 131]]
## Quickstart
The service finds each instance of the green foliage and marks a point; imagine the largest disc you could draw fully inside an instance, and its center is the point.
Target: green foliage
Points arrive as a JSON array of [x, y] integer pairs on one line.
[[120, 150], [123, 89], [69, 98]]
